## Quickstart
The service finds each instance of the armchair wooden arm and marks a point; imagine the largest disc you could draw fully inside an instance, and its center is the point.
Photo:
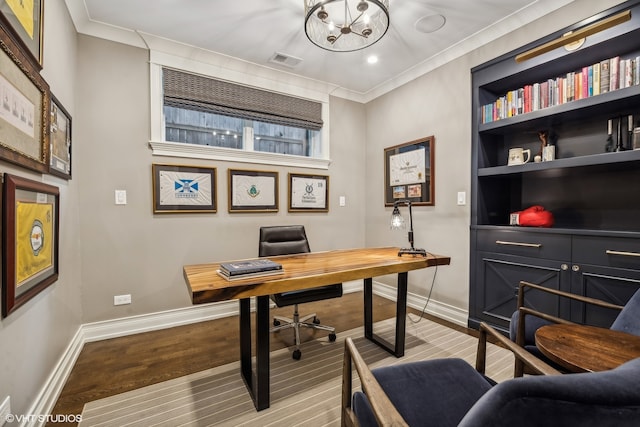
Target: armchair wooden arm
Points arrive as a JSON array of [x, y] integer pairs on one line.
[[385, 412], [520, 354]]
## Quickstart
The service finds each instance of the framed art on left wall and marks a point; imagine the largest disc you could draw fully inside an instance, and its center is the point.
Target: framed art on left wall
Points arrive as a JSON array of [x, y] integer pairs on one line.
[[29, 239], [24, 109], [24, 17]]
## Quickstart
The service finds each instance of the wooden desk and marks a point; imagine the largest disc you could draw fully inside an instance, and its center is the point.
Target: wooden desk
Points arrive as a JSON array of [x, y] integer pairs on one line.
[[303, 271], [581, 348]]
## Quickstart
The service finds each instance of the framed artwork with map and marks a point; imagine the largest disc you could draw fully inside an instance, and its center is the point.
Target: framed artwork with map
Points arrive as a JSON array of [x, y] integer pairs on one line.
[[184, 189], [409, 172], [30, 240]]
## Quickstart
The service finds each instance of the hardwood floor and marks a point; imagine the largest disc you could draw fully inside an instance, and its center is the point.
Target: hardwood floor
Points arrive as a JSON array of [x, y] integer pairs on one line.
[[113, 366]]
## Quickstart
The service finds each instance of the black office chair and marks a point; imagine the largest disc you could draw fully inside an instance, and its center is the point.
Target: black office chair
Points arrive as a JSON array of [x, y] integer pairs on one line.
[[526, 321], [286, 240]]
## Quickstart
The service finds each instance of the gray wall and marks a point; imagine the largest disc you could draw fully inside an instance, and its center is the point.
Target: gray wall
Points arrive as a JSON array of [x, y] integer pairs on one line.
[[438, 104], [107, 250], [129, 250]]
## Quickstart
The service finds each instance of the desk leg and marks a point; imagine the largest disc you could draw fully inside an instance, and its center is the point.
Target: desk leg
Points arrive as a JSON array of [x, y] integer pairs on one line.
[[396, 349], [259, 390]]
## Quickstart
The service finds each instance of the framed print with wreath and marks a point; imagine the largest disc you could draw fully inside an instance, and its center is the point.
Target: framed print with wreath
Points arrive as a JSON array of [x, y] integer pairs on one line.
[[308, 193], [29, 239], [253, 191]]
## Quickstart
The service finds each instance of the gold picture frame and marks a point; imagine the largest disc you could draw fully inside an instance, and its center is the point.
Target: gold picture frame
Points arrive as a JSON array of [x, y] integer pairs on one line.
[[24, 109]]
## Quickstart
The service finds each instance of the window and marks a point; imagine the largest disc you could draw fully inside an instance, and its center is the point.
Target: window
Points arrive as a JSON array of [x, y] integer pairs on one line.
[[218, 115]]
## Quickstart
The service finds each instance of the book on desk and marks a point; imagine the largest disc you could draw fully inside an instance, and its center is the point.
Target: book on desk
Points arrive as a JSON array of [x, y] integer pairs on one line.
[[249, 268]]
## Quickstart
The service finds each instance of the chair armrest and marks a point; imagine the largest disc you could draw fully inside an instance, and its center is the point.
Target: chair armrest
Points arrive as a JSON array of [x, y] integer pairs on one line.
[[386, 414], [519, 352]]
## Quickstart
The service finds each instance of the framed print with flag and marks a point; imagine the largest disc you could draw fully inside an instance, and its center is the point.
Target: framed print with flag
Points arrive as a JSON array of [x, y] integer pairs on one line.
[[184, 189], [30, 239], [253, 191]]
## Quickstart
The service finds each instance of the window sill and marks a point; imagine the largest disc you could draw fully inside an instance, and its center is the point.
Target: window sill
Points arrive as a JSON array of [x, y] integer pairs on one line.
[[194, 151]]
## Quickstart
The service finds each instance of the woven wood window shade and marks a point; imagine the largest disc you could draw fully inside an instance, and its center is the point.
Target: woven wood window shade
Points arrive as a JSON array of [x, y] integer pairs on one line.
[[190, 91]]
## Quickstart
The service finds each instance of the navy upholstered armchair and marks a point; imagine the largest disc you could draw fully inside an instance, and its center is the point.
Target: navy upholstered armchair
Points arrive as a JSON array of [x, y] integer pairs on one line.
[[450, 392], [526, 321], [287, 240]]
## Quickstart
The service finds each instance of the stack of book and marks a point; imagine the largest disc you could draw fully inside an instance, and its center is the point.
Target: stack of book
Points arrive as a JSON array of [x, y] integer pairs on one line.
[[249, 268]]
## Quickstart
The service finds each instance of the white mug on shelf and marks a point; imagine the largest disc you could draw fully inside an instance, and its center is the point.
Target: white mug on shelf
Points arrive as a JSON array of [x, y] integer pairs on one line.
[[517, 156]]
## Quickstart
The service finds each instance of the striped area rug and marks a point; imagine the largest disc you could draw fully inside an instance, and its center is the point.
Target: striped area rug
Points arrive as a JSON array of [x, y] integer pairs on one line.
[[304, 392]]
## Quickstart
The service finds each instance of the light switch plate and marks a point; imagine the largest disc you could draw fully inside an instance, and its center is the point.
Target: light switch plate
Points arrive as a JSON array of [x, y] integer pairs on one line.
[[462, 198], [121, 197]]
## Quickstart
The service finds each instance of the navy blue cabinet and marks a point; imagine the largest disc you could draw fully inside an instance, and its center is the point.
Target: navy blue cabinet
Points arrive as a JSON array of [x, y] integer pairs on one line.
[[592, 190]]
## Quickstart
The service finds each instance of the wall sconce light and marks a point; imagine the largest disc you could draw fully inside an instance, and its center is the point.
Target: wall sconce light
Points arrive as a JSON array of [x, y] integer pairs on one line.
[[397, 222]]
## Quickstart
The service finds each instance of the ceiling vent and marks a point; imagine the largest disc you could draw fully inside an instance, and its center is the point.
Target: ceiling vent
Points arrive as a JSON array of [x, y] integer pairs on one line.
[[284, 59]]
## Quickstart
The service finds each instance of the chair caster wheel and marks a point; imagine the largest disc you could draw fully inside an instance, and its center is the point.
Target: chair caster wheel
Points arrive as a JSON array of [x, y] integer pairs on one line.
[[276, 322], [332, 337], [297, 354], [316, 321]]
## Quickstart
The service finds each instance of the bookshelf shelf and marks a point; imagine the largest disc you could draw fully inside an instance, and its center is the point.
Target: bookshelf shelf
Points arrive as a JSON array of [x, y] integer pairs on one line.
[[592, 190]]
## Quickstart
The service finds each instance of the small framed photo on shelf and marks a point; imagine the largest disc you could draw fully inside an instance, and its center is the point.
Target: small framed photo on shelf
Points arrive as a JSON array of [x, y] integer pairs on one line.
[[409, 172], [24, 18], [24, 109], [30, 239], [308, 193], [253, 191], [60, 140], [184, 189]]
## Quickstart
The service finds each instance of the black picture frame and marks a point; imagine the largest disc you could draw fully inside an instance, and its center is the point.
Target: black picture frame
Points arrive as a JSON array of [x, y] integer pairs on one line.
[[60, 140], [409, 172]]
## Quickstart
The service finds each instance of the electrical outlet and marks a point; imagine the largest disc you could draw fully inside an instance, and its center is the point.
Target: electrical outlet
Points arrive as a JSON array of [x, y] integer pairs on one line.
[[5, 410], [122, 299]]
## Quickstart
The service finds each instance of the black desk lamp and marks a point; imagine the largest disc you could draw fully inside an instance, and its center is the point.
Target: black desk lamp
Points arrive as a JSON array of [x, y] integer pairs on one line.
[[397, 222]]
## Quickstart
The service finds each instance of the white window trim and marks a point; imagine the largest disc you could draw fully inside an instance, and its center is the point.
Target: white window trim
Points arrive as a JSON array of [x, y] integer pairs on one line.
[[161, 147]]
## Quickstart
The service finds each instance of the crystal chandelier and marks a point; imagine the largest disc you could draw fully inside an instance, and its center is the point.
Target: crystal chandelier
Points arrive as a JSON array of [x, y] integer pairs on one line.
[[345, 26]]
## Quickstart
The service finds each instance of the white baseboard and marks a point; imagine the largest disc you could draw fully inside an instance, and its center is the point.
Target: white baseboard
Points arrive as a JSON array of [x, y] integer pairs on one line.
[[96, 331], [444, 311]]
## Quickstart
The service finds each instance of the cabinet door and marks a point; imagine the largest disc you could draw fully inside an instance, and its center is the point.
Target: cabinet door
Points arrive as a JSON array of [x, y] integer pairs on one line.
[[614, 285], [498, 276]]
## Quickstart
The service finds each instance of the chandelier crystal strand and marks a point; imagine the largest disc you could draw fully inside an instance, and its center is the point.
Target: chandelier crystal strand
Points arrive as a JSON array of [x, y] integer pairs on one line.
[[346, 25]]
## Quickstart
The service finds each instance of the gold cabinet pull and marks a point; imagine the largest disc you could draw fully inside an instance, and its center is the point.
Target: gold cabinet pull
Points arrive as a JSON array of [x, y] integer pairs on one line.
[[623, 253], [527, 245]]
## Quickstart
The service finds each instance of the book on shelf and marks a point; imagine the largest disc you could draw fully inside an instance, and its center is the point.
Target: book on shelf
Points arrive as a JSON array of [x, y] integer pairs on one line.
[[267, 273], [591, 80], [251, 266]]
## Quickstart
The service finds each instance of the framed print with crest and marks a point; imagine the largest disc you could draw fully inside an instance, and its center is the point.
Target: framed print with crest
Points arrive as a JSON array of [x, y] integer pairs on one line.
[[253, 191]]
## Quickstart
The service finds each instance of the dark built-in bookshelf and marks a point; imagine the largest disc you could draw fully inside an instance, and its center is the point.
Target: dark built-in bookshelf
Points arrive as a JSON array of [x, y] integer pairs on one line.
[[592, 187]]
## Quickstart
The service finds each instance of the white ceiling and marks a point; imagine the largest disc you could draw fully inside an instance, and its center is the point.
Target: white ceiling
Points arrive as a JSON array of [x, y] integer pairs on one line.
[[253, 30]]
